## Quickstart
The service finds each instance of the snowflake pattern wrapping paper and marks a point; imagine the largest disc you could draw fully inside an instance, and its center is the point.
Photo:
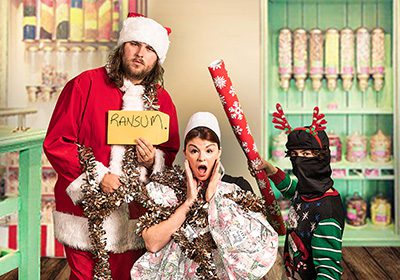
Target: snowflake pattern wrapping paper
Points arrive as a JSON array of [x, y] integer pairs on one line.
[[242, 132], [246, 248]]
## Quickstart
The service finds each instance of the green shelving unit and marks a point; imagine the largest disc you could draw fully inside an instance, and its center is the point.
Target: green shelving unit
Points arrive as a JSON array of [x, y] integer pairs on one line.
[[26, 204], [355, 112]]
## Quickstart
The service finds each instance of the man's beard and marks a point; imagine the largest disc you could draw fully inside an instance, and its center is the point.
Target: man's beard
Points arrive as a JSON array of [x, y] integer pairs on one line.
[[138, 75]]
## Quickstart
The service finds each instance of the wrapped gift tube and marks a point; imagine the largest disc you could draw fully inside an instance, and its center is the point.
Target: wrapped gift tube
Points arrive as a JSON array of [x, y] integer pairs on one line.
[[104, 20], [331, 58], [285, 58], [300, 58], [115, 20], [29, 21], [363, 57], [347, 57], [316, 58], [46, 19], [133, 6], [90, 22], [62, 20], [76, 21], [378, 57], [241, 129]]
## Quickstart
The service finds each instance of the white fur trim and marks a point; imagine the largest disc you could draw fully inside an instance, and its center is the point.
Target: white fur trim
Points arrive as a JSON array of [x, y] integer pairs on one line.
[[145, 30], [159, 161], [74, 189], [132, 99], [143, 174], [120, 231], [117, 154]]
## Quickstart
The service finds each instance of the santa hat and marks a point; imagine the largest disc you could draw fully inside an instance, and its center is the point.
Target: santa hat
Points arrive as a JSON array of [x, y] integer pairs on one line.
[[203, 119], [141, 29]]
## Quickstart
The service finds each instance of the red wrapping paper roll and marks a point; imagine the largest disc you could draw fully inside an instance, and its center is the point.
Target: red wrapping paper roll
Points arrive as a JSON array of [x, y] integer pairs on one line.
[[242, 132]]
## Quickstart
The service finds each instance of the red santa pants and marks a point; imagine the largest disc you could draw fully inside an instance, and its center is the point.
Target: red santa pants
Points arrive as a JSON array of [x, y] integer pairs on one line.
[[81, 264]]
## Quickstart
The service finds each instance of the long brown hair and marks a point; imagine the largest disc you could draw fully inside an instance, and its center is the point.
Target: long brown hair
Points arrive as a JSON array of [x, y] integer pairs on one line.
[[116, 72]]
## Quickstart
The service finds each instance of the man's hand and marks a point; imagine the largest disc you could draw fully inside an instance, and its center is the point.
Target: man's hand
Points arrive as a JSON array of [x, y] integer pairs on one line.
[[145, 152], [110, 183]]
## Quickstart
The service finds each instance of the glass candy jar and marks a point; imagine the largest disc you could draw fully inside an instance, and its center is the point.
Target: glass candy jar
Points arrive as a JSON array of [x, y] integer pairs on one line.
[[380, 210], [335, 145], [356, 147], [380, 145], [356, 210], [279, 146]]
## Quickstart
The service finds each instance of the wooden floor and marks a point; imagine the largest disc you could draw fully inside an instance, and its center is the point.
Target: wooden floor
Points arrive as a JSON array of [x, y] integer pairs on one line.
[[363, 263]]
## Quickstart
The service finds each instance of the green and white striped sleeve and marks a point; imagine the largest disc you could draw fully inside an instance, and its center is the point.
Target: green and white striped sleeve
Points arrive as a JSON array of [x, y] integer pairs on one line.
[[285, 184], [326, 245]]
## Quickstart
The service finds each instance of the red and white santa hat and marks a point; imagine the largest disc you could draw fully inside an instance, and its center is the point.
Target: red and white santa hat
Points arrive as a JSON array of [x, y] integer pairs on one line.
[[142, 29]]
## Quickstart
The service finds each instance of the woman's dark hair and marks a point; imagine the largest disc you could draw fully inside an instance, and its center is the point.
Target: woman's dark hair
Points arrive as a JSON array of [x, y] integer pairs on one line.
[[116, 72], [320, 154], [203, 133]]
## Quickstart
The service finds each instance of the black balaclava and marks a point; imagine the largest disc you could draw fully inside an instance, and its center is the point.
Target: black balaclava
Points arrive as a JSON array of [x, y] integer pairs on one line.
[[313, 174]]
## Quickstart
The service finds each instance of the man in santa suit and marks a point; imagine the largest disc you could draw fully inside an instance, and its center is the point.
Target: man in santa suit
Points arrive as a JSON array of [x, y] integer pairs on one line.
[[131, 80]]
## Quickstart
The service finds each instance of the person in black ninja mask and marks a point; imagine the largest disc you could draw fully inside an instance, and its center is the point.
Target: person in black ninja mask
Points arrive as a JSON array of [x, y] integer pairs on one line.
[[313, 245]]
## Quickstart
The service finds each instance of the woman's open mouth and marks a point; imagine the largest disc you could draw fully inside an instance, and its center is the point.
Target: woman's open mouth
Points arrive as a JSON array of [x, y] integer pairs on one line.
[[202, 169]]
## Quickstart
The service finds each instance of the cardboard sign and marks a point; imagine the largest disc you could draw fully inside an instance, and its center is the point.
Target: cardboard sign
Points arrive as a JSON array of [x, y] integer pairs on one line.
[[124, 127]]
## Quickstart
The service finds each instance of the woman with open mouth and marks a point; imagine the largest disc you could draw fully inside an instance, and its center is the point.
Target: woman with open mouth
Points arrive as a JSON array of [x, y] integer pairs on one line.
[[198, 225]]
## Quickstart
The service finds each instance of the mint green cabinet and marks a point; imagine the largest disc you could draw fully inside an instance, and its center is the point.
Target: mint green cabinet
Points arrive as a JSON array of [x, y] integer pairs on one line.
[[355, 111], [26, 204]]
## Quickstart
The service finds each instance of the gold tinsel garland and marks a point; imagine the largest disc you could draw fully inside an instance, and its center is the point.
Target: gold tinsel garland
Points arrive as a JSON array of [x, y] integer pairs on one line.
[[98, 205]]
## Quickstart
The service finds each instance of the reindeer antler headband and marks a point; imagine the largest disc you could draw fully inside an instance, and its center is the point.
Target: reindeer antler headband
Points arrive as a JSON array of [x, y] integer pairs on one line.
[[317, 124]]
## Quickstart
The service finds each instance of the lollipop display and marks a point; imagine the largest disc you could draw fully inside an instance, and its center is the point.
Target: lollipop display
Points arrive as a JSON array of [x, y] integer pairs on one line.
[[332, 58], [363, 57], [347, 58], [285, 58], [378, 57], [300, 58], [316, 58]]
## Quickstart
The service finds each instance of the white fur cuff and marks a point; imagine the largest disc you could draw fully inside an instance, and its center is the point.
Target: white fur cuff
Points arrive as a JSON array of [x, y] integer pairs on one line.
[[74, 190], [159, 161], [120, 231]]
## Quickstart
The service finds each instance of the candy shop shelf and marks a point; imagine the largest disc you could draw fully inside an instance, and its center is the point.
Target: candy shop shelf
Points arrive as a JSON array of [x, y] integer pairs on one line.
[[330, 1], [8, 259], [377, 111], [344, 170], [8, 205], [368, 235], [26, 204], [56, 43]]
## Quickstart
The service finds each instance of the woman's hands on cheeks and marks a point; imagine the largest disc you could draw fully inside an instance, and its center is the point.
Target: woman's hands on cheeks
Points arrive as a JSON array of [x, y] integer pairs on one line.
[[214, 180], [192, 189]]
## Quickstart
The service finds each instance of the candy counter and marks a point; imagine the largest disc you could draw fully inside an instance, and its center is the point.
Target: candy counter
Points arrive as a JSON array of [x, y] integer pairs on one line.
[[340, 56]]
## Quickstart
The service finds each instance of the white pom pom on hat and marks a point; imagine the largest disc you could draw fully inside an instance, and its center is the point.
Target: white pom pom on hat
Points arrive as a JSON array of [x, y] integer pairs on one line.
[[146, 30], [205, 119]]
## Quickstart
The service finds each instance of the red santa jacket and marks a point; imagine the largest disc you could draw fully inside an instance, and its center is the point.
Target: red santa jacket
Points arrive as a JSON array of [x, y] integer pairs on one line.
[[80, 116]]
